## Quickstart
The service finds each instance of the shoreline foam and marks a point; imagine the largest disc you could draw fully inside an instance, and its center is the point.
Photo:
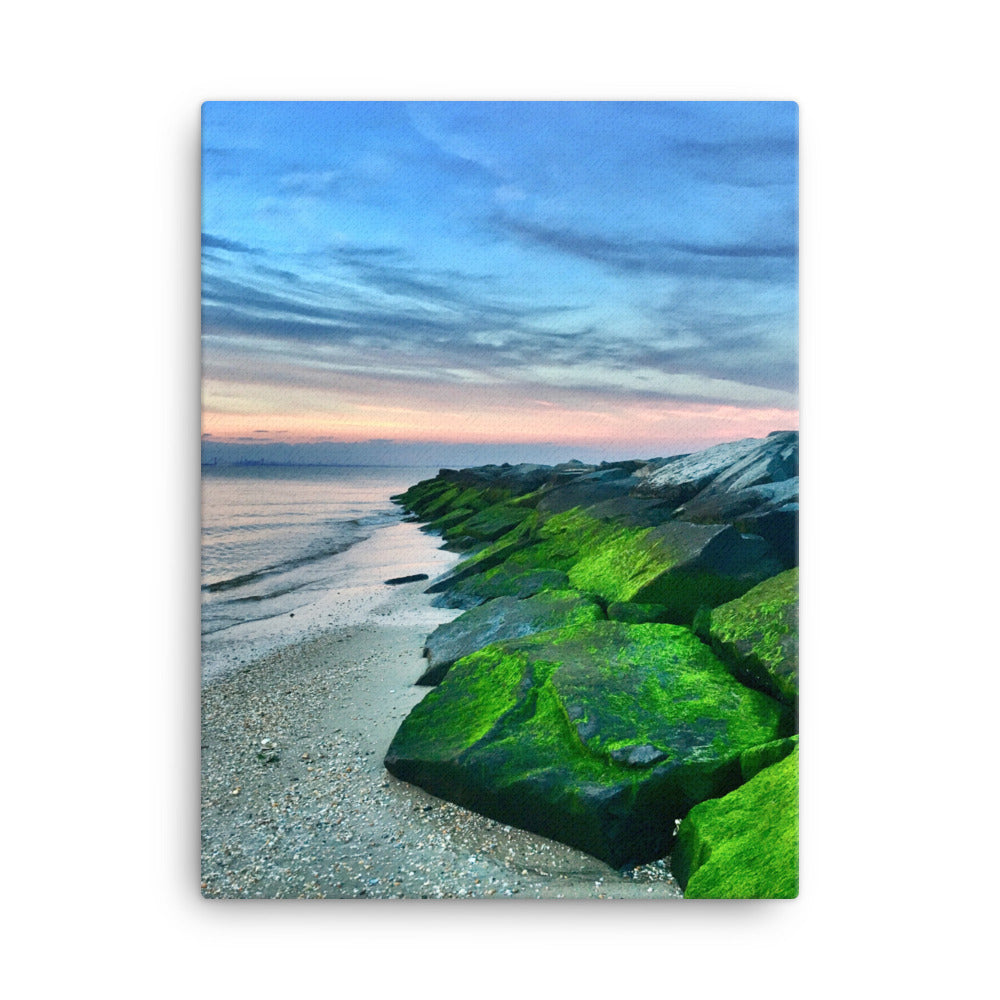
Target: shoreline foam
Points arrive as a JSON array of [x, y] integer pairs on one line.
[[362, 570]]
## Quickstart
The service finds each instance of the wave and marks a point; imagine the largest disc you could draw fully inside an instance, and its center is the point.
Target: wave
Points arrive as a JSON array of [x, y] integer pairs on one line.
[[211, 628], [269, 596], [280, 567]]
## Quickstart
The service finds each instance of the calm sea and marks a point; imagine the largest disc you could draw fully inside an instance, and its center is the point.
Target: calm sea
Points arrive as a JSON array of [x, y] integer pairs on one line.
[[275, 536]]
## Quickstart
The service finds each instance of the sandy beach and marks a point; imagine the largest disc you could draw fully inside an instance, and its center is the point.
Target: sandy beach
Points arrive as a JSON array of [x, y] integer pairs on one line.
[[295, 800]]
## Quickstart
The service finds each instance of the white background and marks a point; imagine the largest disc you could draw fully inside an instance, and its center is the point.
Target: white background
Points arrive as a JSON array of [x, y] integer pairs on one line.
[[899, 224]]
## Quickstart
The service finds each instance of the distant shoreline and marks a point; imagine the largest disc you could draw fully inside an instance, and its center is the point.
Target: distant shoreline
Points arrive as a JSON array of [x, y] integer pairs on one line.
[[311, 465]]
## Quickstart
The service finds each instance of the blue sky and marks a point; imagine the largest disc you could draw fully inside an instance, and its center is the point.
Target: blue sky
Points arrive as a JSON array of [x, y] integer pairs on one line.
[[621, 276]]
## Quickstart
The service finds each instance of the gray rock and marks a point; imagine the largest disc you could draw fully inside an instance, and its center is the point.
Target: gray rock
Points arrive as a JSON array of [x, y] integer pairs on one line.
[[476, 590], [716, 505], [499, 619], [412, 578], [725, 468]]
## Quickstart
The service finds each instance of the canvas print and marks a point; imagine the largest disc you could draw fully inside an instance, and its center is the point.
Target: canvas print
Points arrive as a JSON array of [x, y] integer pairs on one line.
[[499, 500]]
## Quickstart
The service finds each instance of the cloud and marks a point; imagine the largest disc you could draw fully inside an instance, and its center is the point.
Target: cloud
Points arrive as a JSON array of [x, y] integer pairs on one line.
[[761, 161], [427, 331], [218, 243], [355, 251], [389, 304], [382, 314], [313, 182], [276, 272], [449, 127], [328, 374], [754, 261]]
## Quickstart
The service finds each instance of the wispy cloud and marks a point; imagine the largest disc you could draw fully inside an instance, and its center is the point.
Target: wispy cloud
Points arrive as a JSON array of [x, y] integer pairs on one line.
[[219, 243], [753, 261], [762, 161], [430, 320]]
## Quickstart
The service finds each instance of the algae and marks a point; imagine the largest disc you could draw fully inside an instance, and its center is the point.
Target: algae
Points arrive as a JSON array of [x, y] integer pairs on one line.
[[744, 845], [757, 634], [603, 734], [599, 735]]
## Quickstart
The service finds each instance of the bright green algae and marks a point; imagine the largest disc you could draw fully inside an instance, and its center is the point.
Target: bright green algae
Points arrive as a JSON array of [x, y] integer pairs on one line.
[[619, 564], [754, 760], [502, 619], [593, 553], [598, 735], [744, 845], [488, 524], [603, 740], [420, 493], [664, 688], [758, 634], [437, 498], [499, 582], [444, 523]]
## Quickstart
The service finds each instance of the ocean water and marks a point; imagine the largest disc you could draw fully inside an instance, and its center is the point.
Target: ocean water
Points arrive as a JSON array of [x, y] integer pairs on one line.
[[279, 540]]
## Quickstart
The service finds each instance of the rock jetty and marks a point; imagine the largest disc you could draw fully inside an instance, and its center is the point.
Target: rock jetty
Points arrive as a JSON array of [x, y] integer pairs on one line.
[[624, 677]]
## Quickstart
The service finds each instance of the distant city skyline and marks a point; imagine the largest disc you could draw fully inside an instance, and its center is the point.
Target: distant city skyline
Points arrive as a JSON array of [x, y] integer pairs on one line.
[[423, 454], [614, 278]]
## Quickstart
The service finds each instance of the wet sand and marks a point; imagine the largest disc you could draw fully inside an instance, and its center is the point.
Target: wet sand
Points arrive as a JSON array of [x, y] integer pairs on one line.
[[313, 813]]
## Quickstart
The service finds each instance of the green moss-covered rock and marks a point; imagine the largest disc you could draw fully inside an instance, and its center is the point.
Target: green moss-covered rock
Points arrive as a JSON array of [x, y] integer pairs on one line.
[[744, 845], [500, 582], [432, 499], [440, 503], [445, 522], [758, 636], [480, 563], [597, 735], [754, 760], [677, 565], [422, 494], [636, 614], [491, 523], [501, 619]]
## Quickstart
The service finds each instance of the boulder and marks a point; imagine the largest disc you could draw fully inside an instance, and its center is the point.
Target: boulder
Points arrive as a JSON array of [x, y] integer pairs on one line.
[[488, 524], [770, 510], [490, 557], [744, 845], [419, 496], [476, 590], [726, 506], [598, 735], [412, 578], [724, 468], [499, 582], [779, 528], [584, 490], [450, 491], [630, 511], [445, 522], [757, 635], [503, 618], [775, 460], [754, 760], [679, 565]]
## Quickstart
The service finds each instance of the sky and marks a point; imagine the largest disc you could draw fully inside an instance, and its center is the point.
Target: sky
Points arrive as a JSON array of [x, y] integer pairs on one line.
[[503, 280]]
